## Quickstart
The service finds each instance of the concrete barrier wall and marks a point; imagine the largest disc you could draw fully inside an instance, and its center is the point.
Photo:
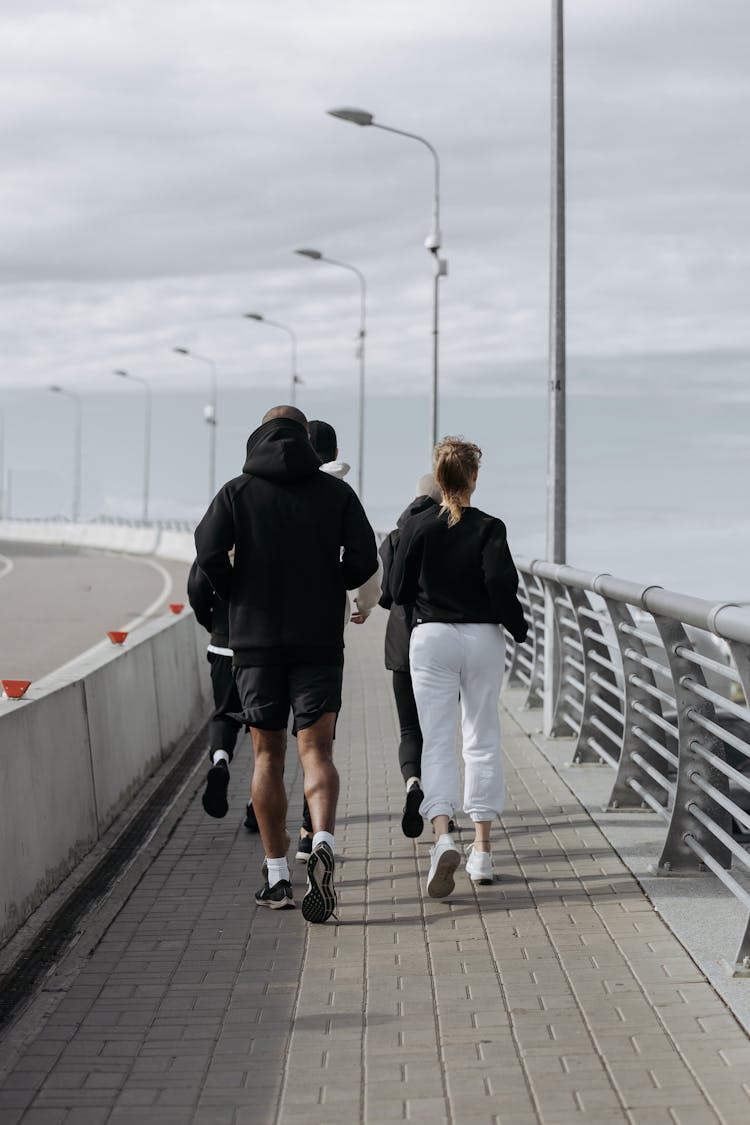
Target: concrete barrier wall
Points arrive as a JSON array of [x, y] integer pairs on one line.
[[165, 543], [72, 758]]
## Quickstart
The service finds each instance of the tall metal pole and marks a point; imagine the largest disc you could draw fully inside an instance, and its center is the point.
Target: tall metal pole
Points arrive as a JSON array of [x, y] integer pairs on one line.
[[556, 460], [317, 256], [146, 438], [432, 243], [79, 459], [210, 417], [293, 338], [77, 448]]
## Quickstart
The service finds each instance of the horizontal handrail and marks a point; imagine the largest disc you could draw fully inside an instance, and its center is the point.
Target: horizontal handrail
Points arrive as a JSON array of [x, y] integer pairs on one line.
[[663, 679]]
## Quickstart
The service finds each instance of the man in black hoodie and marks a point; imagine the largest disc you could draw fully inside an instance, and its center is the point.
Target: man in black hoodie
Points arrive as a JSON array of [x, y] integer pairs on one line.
[[301, 539]]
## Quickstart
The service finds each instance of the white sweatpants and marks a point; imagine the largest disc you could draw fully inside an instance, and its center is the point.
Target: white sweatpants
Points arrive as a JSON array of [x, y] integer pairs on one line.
[[447, 660]]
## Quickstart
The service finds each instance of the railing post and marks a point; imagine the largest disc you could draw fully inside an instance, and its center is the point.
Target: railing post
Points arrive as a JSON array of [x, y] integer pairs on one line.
[[676, 856], [553, 661], [593, 644], [638, 704]]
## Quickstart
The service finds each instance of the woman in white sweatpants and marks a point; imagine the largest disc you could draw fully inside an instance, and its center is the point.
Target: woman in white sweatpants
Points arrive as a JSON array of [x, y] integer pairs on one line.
[[455, 566]]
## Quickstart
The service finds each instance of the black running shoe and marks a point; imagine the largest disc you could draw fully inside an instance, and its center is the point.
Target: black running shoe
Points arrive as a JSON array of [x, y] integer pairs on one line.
[[412, 822], [278, 897], [319, 902], [304, 848], [215, 794], [251, 821]]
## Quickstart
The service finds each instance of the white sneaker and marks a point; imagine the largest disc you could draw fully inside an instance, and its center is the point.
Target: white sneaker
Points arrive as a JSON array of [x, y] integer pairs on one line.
[[444, 859], [479, 865]]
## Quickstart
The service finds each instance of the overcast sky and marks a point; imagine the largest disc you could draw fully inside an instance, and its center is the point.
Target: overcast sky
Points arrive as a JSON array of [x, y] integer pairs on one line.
[[162, 160]]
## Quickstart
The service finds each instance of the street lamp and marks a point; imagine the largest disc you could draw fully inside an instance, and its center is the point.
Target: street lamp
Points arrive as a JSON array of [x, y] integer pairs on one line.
[[77, 441], [146, 436], [293, 337], [432, 243], [209, 413], [556, 395], [317, 256]]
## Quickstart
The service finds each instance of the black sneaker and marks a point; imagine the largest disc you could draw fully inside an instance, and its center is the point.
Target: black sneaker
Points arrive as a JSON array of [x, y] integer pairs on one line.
[[251, 821], [304, 848], [319, 902], [412, 822], [215, 794], [278, 897]]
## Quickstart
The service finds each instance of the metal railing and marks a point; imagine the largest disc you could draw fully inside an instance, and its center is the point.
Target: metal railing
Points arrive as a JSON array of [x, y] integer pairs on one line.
[[655, 685]]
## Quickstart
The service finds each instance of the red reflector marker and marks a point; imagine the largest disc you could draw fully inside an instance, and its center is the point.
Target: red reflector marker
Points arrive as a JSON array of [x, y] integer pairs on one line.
[[116, 636], [15, 689]]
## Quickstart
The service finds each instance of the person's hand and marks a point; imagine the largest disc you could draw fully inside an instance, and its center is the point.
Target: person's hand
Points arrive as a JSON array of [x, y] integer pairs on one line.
[[359, 618]]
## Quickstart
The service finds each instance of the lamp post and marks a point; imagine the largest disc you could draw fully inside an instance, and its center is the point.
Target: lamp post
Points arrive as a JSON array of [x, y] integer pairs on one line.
[[209, 413], [293, 337], [432, 243], [317, 256], [77, 443], [146, 436], [556, 434]]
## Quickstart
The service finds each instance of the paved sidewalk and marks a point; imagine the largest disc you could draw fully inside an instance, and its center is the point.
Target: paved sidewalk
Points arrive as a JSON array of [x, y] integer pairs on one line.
[[556, 995]]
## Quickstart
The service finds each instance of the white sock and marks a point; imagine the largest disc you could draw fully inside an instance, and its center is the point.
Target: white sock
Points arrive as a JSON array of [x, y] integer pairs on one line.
[[323, 838], [277, 869], [219, 756], [411, 783], [445, 838]]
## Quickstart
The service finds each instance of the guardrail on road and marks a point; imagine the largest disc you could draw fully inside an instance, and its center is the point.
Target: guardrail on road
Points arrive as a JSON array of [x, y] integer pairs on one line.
[[656, 685]]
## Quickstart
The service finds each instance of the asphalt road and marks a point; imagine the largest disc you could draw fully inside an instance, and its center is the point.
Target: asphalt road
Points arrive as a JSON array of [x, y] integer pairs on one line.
[[56, 602]]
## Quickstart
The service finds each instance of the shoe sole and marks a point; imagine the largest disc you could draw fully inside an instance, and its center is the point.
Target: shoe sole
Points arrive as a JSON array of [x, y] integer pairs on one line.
[[214, 799], [319, 902], [442, 882], [303, 857], [412, 823], [482, 880]]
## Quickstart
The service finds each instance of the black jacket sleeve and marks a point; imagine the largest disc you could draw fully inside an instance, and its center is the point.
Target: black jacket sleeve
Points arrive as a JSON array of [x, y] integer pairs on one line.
[[201, 596], [360, 555], [501, 582], [387, 551], [214, 539], [407, 563]]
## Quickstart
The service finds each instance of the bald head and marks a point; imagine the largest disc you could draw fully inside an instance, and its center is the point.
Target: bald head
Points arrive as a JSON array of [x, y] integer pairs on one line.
[[290, 412]]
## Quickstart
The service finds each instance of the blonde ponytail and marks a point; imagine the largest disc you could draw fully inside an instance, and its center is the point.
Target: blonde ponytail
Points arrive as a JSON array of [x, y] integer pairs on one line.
[[456, 465]]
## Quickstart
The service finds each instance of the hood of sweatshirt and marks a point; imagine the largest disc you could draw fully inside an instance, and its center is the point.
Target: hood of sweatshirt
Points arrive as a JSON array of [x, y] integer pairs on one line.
[[335, 468], [420, 504], [280, 450]]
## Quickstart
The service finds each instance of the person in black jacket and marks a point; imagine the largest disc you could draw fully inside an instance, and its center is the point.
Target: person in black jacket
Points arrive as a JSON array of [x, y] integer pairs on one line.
[[301, 539], [223, 728], [397, 636], [454, 566]]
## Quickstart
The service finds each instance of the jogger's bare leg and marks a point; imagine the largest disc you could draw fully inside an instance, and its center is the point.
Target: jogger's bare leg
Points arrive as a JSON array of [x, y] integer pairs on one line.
[[268, 792], [315, 746]]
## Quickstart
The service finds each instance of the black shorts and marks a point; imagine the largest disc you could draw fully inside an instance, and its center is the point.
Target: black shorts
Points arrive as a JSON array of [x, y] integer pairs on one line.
[[269, 692]]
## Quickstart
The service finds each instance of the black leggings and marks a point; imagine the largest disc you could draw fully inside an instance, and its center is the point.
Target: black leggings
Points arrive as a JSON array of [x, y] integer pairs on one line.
[[410, 747], [222, 728]]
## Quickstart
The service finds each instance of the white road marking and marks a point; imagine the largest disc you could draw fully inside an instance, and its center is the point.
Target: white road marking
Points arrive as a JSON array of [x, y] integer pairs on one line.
[[150, 610], [6, 565]]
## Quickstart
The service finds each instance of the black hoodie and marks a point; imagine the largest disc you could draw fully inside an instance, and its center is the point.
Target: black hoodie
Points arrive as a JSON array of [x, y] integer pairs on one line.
[[458, 574], [401, 617], [301, 540]]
